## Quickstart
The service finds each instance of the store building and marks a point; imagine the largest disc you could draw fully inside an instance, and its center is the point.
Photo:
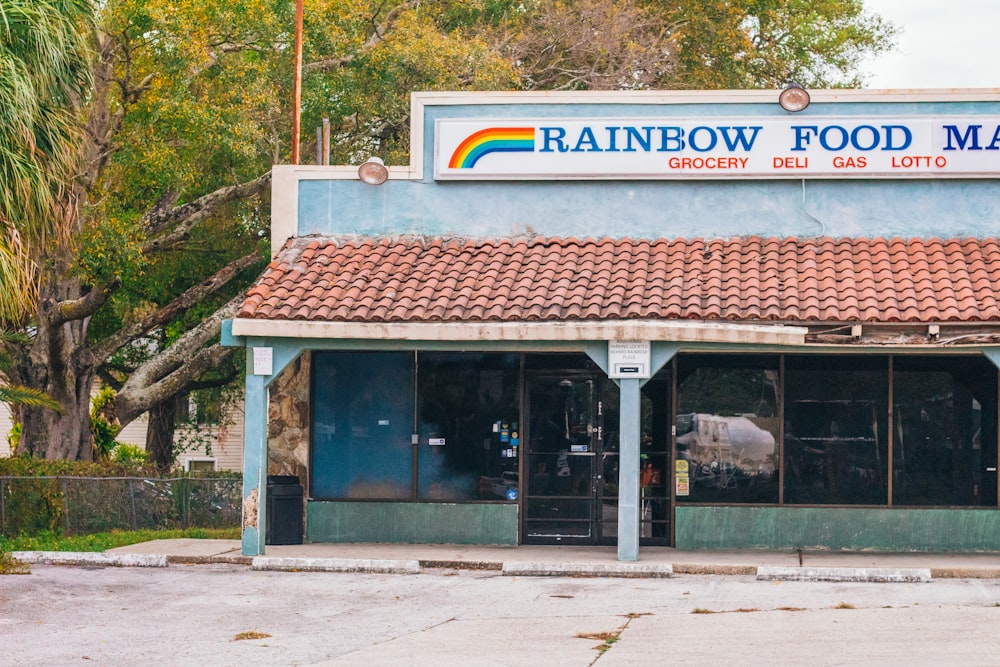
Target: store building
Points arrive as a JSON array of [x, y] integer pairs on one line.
[[674, 318]]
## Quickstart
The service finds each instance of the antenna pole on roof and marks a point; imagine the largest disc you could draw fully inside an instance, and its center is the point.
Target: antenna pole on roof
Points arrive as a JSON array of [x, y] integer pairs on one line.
[[297, 88]]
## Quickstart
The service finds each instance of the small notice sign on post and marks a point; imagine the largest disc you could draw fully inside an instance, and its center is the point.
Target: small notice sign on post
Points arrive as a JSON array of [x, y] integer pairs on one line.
[[628, 359], [263, 358]]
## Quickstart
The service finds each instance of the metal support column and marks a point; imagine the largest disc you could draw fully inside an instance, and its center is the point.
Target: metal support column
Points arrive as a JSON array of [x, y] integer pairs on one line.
[[254, 463], [628, 470]]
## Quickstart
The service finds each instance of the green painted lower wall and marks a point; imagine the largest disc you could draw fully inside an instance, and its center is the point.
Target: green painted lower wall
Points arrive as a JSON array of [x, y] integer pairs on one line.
[[414, 523], [876, 529]]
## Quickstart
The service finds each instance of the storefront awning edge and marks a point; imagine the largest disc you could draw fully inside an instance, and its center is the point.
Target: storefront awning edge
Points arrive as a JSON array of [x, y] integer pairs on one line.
[[579, 330]]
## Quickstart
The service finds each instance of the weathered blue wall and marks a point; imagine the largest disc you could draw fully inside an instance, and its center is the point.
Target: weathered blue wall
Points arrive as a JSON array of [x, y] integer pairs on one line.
[[413, 523], [655, 209], [877, 529]]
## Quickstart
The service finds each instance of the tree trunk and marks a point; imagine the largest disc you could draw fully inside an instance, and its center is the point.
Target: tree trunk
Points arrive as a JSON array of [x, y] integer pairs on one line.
[[160, 434], [58, 365]]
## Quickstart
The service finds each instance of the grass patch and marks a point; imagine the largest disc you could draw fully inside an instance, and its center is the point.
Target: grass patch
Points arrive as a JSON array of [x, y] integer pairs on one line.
[[607, 639], [702, 610], [746, 610], [251, 635], [845, 605], [791, 609], [49, 541]]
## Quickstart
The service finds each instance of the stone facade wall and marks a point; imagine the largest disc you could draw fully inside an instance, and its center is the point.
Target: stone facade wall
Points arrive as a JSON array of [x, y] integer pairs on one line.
[[288, 422]]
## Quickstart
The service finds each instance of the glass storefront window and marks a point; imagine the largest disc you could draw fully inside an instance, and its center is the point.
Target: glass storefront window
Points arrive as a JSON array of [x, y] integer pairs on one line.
[[836, 431], [362, 425], [727, 428], [944, 434], [654, 459], [467, 425], [469, 435]]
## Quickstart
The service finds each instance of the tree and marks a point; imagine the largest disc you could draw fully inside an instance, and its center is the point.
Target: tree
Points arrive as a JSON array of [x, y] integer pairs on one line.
[[767, 43], [689, 44], [44, 76], [188, 111]]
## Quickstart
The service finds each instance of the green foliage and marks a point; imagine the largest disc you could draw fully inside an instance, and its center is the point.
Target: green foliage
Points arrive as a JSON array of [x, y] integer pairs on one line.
[[73, 497], [54, 541], [129, 454], [111, 251], [29, 466], [44, 77], [36, 502], [102, 424], [32, 507], [14, 437], [766, 43]]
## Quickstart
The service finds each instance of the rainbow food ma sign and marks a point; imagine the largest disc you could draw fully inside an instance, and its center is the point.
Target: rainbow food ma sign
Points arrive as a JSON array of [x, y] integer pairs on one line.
[[667, 148]]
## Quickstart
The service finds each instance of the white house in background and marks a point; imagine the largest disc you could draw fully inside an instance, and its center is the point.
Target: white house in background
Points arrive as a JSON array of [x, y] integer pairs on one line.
[[226, 441]]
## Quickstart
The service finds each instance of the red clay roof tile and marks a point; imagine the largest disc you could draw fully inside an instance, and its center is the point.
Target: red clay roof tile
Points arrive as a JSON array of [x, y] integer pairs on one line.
[[748, 279]]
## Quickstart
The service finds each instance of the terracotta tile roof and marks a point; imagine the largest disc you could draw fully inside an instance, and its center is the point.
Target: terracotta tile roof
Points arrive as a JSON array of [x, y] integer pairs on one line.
[[740, 279]]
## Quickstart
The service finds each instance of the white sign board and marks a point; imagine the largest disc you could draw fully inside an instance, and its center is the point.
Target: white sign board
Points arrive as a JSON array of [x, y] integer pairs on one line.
[[718, 147], [628, 359], [263, 358]]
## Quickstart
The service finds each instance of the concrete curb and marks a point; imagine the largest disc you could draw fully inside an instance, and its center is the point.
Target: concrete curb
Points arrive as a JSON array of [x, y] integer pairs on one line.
[[90, 558], [845, 574], [627, 570], [733, 570], [210, 560], [273, 563]]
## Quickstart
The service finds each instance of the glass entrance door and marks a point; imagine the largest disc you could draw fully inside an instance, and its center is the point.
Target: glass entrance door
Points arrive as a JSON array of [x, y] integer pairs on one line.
[[571, 469]]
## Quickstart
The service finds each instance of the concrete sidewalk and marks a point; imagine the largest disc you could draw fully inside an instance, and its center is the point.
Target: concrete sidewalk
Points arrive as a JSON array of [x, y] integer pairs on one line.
[[554, 560]]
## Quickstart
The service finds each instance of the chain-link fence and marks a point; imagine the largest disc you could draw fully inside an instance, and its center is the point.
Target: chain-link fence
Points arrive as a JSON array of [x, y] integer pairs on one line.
[[83, 505]]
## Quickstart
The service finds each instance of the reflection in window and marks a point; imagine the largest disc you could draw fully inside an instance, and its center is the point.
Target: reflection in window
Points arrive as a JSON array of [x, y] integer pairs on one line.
[[836, 447], [362, 425], [654, 459], [469, 431], [727, 429], [943, 439]]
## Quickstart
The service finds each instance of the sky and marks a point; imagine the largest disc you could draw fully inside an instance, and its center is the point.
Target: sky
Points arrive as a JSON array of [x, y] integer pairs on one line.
[[943, 44]]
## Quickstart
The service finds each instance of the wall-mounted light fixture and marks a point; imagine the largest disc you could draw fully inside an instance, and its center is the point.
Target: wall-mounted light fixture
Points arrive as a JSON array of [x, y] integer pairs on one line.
[[373, 172], [794, 97]]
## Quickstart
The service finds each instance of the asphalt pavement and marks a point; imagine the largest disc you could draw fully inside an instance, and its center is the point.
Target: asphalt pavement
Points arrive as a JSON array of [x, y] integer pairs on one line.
[[222, 614]]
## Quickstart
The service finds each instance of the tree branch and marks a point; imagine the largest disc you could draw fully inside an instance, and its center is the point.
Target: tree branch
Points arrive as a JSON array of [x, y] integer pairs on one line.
[[85, 306], [190, 297], [376, 38], [170, 371], [130, 404], [178, 221]]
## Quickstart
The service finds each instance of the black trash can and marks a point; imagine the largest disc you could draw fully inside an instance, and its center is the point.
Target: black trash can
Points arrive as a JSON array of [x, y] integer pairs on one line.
[[284, 510]]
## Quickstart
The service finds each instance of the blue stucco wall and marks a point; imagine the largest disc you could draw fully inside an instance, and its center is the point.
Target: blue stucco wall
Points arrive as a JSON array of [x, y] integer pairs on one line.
[[655, 209], [863, 528]]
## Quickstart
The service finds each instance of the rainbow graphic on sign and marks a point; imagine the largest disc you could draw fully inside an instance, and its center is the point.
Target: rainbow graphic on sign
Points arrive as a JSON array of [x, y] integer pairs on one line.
[[492, 140]]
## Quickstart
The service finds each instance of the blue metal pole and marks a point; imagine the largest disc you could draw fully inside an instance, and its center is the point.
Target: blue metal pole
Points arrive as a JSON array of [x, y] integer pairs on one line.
[[628, 471], [254, 463]]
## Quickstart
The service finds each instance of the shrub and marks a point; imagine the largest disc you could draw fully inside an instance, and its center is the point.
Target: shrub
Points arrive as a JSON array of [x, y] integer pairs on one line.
[[129, 454]]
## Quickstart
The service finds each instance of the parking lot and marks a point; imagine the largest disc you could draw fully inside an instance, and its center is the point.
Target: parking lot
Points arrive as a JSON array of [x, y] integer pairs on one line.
[[223, 614]]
